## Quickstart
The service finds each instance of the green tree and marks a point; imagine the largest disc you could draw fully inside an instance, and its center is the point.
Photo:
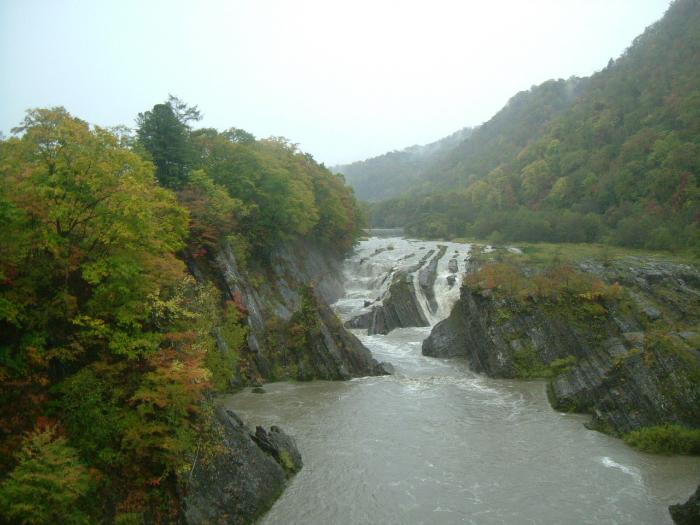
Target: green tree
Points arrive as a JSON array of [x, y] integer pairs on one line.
[[94, 241], [48, 484], [164, 133], [99, 238]]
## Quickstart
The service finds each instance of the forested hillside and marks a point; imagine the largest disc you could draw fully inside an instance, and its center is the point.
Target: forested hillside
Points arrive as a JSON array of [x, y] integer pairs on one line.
[[108, 354], [618, 160], [384, 177]]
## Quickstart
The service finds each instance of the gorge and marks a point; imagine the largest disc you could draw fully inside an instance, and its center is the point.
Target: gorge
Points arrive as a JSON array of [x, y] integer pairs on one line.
[[437, 442], [205, 325]]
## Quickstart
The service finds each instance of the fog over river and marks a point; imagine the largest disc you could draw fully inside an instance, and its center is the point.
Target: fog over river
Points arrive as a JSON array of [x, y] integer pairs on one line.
[[437, 444]]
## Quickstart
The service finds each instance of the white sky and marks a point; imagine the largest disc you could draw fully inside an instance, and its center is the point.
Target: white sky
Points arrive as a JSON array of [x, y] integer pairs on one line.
[[347, 80]]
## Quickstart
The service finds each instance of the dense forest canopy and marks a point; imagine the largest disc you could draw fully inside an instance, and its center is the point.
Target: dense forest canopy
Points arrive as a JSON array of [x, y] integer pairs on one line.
[[615, 157], [107, 348]]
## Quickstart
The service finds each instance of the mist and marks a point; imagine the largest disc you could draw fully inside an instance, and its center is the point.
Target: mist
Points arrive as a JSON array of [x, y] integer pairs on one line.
[[345, 80]]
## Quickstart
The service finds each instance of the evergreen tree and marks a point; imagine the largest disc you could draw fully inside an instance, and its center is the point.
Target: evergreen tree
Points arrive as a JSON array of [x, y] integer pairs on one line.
[[165, 134]]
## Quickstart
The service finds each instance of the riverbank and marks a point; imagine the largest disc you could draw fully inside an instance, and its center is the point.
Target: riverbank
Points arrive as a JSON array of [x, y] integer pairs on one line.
[[616, 336], [436, 442]]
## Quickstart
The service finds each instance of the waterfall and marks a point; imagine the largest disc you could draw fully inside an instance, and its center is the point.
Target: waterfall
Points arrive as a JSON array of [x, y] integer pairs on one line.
[[377, 268]]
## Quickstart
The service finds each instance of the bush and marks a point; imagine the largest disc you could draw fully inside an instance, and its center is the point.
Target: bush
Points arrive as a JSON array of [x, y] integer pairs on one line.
[[665, 439], [561, 365], [47, 485], [92, 417], [528, 365]]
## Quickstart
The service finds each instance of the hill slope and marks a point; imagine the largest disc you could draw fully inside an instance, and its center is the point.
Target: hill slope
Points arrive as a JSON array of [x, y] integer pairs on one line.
[[618, 159], [381, 177]]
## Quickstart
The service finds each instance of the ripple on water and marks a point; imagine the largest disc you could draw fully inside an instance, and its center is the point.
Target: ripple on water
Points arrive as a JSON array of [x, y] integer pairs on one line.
[[437, 444], [633, 472]]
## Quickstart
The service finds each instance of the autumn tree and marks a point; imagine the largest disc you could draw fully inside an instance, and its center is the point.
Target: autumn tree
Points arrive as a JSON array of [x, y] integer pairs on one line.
[[48, 485]]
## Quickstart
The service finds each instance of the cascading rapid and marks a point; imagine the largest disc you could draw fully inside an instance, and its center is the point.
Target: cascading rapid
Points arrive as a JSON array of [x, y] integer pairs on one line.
[[392, 282]]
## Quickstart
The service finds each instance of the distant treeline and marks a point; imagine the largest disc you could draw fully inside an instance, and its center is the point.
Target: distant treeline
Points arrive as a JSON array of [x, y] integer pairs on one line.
[[614, 158]]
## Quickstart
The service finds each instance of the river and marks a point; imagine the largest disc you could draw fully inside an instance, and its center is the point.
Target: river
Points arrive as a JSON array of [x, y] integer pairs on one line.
[[437, 444]]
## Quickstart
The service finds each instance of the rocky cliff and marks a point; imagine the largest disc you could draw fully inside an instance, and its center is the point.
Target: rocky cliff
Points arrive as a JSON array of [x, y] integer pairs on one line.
[[243, 475], [618, 340], [292, 333]]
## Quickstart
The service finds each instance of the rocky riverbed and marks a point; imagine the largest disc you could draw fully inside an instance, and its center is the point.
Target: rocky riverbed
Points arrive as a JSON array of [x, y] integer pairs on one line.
[[439, 442], [634, 362]]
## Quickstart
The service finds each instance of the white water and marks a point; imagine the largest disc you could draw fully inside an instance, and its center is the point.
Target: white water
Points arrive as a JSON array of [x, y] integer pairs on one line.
[[371, 267], [438, 444]]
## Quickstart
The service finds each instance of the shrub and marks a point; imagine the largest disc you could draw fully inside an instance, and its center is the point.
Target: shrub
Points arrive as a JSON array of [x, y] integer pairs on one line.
[[665, 439], [561, 365], [528, 365]]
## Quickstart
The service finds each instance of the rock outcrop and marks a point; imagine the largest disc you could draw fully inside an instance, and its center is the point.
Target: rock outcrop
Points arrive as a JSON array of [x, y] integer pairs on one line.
[[399, 308], [613, 360], [244, 476], [270, 298], [426, 278], [335, 353], [687, 513], [281, 447], [292, 333]]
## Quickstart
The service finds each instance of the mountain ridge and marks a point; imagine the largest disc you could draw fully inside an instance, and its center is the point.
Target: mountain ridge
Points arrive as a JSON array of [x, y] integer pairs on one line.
[[609, 158]]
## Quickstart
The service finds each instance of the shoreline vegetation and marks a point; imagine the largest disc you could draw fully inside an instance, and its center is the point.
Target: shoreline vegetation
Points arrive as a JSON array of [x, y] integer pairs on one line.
[[592, 289], [145, 271]]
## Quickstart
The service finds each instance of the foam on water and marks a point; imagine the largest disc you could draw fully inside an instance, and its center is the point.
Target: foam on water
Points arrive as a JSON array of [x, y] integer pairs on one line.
[[630, 471], [435, 443]]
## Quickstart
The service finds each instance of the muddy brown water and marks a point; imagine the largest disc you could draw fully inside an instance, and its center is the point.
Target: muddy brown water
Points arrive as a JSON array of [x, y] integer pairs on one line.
[[437, 444]]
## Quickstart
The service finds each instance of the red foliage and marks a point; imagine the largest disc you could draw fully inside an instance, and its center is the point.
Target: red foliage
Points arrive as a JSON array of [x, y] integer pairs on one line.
[[678, 197], [654, 208], [44, 423], [239, 303]]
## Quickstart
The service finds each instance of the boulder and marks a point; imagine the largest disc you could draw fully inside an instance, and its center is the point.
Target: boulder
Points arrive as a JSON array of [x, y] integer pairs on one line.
[[687, 513], [453, 265], [281, 447], [242, 479]]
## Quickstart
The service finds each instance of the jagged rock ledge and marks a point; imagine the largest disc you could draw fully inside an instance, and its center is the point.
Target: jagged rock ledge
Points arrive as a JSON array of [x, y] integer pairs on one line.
[[687, 513], [399, 309], [607, 368], [427, 275], [269, 302], [400, 306], [245, 475]]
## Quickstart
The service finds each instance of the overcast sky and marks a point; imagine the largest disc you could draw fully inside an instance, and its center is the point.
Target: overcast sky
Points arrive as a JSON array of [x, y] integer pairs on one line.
[[346, 80]]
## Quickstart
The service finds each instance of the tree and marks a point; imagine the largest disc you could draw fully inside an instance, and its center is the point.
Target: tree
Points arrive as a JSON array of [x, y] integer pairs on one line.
[[239, 136], [164, 133], [47, 484], [212, 212], [184, 112], [92, 244], [100, 241]]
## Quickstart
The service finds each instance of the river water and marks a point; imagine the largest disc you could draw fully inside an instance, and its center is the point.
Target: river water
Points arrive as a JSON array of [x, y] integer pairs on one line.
[[437, 444]]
